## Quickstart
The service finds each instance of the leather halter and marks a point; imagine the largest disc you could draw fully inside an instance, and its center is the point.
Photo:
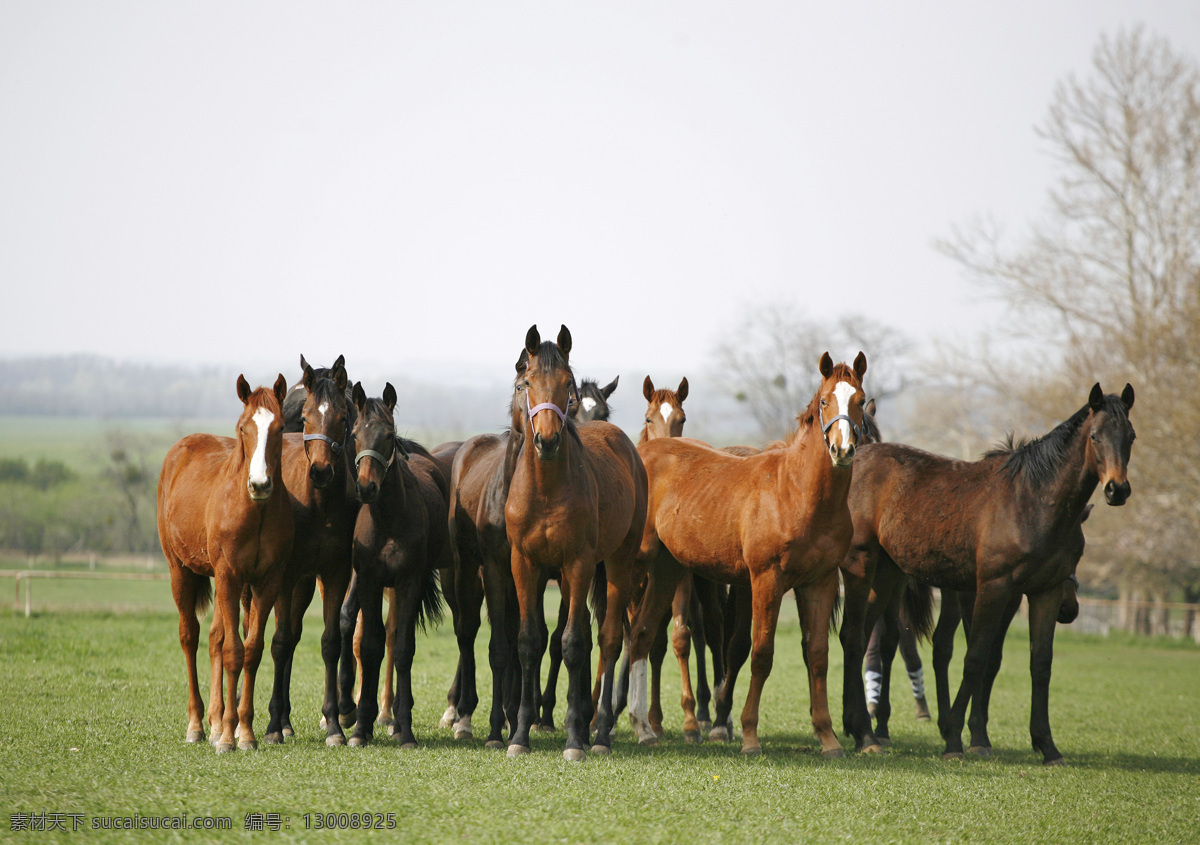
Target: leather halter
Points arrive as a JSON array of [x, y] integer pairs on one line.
[[825, 426], [334, 446], [387, 462]]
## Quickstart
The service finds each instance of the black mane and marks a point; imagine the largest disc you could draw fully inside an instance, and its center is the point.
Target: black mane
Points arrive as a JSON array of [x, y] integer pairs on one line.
[[1039, 459]]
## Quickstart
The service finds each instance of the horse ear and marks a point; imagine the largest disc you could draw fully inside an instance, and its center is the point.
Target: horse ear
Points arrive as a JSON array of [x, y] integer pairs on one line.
[[303, 363], [280, 389], [243, 388], [648, 389], [523, 362], [869, 408], [682, 392], [860, 365], [532, 340], [608, 389], [308, 378], [389, 396], [564, 341], [1096, 398], [340, 362], [359, 396], [1127, 396], [339, 375], [1086, 513], [826, 366]]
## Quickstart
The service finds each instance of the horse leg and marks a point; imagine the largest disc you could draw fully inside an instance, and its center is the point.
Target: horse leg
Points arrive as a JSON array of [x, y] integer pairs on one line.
[[183, 585], [263, 598], [577, 649], [859, 614], [388, 698], [525, 577], [1043, 616], [990, 604], [658, 653], [374, 636], [907, 642], [873, 671], [282, 647], [228, 594], [700, 641], [949, 617], [665, 573], [499, 649], [819, 601], [681, 640], [301, 599], [767, 597], [406, 599], [888, 630], [549, 697], [450, 592], [739, 617], [978, 721], [347, 625], [468, 599], [619, 573], [333, 589], [216, 687]]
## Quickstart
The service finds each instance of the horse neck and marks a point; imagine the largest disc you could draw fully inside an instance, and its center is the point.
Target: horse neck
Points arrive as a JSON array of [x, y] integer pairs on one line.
[[809, 468], [1072, 486], [548, 477]]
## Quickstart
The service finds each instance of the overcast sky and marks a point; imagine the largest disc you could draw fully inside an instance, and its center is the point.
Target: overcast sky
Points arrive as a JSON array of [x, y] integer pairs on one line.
[[414, 184]]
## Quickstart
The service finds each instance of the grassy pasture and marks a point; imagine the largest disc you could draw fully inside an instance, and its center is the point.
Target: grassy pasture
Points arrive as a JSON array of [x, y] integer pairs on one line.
[[92, 722]]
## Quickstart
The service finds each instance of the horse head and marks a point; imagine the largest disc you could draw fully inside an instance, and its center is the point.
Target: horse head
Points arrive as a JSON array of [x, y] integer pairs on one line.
[[1110, 438], [664, 413], [375, 443], [260, 435], [544, 377], [838, 407], [325, 418], [593, 401]]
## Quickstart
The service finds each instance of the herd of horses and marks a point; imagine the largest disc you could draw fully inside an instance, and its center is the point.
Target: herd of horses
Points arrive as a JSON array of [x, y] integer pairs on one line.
[[317, 488]]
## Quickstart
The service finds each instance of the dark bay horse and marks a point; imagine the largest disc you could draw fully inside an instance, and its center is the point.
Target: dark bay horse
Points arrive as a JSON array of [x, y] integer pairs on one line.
[[223, 513], [317, 474], [1004, 526], [774, 520], [577, 496], [399, 542]]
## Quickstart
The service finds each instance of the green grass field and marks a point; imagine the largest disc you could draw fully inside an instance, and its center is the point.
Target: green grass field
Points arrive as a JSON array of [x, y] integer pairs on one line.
[[92, 720]]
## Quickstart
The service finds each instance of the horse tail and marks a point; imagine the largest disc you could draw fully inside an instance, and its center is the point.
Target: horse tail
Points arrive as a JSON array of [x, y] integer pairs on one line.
[[204, 594], [917, 609], [836, 616], [433, 605], [598, 598]]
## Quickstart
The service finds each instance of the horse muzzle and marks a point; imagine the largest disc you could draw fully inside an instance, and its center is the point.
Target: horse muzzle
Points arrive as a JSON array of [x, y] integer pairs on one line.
[[1116, 494], [321, 475], [547, 447], [842, 457], [260, 490], [367, 493]]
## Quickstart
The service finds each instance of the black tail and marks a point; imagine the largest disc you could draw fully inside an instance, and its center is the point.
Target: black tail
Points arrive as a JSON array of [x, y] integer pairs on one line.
[[204, 594], [432, 604], [917, 610], [598, 598]]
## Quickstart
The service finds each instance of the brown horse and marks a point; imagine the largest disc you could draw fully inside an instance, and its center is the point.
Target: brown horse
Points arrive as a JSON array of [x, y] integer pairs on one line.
[[1004, 526], [317, 474], [775, 520], [223, 513], [577, 496]]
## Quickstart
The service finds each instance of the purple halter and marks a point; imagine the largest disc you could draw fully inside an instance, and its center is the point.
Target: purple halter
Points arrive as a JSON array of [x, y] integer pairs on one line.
[[562, 415]]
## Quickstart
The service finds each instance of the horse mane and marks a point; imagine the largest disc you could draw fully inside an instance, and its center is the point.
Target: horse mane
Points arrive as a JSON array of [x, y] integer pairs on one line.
[[809, 417], [1039, 459]]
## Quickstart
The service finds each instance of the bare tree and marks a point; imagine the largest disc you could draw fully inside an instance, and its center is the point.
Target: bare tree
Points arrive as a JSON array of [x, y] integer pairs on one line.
[[1107, 287], [768, 360]]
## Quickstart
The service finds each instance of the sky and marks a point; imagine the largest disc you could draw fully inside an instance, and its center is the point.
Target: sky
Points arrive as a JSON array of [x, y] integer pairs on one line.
[[413, 185]]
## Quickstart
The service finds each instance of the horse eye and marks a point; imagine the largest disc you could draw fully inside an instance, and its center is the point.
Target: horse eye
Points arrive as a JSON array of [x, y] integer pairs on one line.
[[823, 403]]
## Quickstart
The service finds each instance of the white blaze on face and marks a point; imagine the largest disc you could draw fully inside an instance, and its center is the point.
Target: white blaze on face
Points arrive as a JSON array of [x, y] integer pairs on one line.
[[588, 403], [323, 409], [666, 410], [843, 393], [258, 461]]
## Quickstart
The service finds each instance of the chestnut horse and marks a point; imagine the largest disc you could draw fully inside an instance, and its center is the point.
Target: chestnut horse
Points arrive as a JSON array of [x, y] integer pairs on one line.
[[317, 474], [1013, 530], [775, 520], [399, 540], [223, 513], [577, 496]]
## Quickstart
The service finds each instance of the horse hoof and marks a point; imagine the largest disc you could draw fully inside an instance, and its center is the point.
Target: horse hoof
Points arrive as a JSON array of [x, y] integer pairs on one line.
[[872, 749], [335, 741], [833, 753], [924, 717], [517, 750], [357, 742], [751, 750], [287, 731], [347, 720], [448, 718], [720, 734], [464, 733], [195, 736], [248, 745], [952, 755], [407, 746], [547, 727], [1057, 761], [651, 739], [706, 725], [885, 741], [574, 755], [274, 738], [494, 745], [215, 738], [602, 750], [980, 750], [691, 736], [224, 747]]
